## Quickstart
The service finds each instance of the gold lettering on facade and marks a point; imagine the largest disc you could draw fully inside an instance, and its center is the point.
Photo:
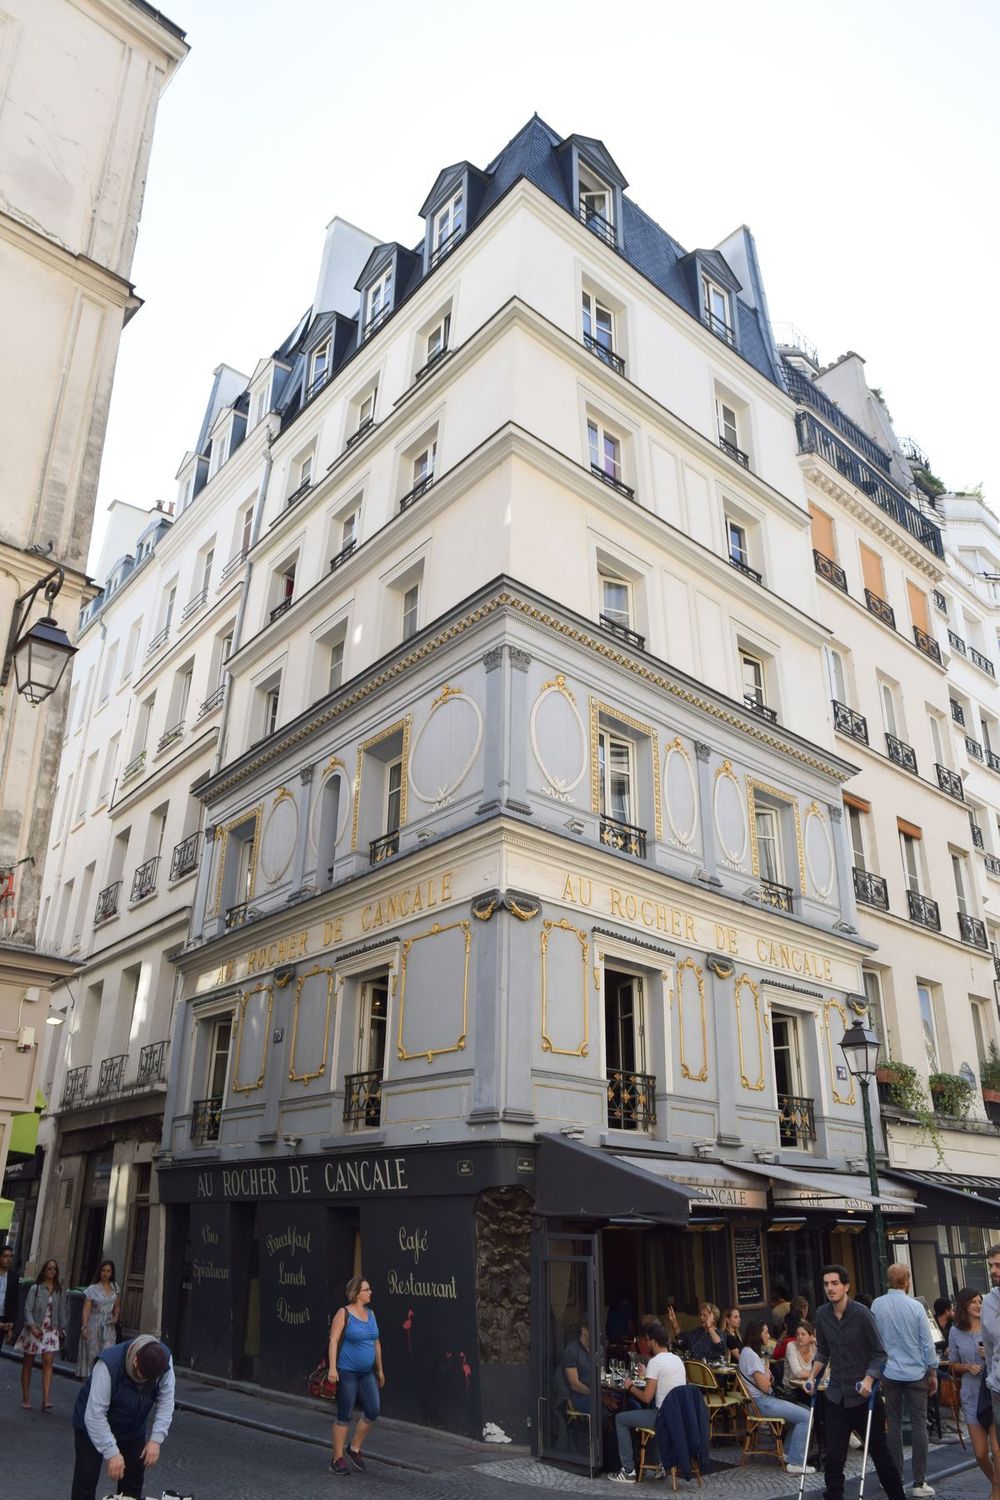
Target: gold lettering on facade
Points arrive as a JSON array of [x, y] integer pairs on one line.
[[406, 903], [281, 951]]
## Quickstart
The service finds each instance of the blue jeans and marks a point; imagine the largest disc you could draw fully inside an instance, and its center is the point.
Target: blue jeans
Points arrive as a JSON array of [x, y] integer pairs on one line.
[[351, 1385], [797, 1418], [625, 1421]]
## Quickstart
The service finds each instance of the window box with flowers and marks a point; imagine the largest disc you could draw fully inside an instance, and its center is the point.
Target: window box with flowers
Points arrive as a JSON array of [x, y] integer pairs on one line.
[[900, 1087], [951, 1094]]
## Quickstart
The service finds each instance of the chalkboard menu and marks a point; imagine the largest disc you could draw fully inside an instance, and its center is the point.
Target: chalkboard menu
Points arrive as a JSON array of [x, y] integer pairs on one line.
[[748, 1258]]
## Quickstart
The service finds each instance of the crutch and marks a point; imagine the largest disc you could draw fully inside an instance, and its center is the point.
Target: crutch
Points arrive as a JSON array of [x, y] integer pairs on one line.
[[868, 1432], [809, 1433]]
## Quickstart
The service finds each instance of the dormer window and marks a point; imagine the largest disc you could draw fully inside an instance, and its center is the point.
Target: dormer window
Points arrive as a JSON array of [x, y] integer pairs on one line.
[[716, 310], [448, 225], [378, 302], [219, 454], [597, 205], [319, 368]]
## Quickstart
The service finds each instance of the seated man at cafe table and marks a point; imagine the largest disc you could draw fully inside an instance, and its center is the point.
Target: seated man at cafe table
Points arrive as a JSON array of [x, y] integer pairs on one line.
[[663, 1373], [704, 1342], [573, 1378]]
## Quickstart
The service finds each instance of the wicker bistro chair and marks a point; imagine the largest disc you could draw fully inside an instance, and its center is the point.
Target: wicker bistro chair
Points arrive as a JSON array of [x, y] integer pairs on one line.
[[758, 1426], [646, 1435], [721, 1403]]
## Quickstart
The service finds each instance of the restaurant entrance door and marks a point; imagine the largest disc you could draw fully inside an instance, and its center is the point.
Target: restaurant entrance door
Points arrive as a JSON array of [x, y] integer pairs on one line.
[[567, 1320]]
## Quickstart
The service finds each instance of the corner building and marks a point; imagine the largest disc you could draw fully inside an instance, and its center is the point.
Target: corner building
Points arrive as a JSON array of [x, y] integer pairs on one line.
[[524, 935]]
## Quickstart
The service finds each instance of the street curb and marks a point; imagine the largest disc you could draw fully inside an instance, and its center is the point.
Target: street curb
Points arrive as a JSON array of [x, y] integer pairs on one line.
[[289, 1432]]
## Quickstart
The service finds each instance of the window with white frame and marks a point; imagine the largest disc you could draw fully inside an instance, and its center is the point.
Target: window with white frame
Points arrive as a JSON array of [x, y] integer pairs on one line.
[[246, 531], [981, 1030], [887, 694], [319, 367], [449, 222], [411, 610], [220, 446], [597, 203], [856, 830], [378, 300], [767, 826], [837, 669], [366, 410], [110, 667], [421, 472], [911, 861], [220, 1048], [616, 768], [363, 1091], [270, 697], [393, 795], [598, 326], [107, 774], [143, 720], [605, 451], [939, 739], [258, 406], [738, 542], [349, 530], [335, 664], [872, 980], [301, 476], [925, 1000], [715, 308], [960, 873], [283, 587], [754, 680], [437, 341], [616, 601]]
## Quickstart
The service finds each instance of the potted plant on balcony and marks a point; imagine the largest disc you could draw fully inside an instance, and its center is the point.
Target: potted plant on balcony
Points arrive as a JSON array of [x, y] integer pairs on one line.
[[900, 1087], [989, 1077], [951, 1094]]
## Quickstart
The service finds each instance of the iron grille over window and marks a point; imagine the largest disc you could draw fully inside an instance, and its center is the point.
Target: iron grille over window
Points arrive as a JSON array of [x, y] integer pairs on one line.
[[927, 644], [950, 782], [796, 1120], [972, 930], [778, 897], [107, 903], [871, 890], [383, 848], [185, 857], [631, 637], [631, 1100], [111, 1074], [144, 879], [624, 837], [75, 1086], [363, 1098]]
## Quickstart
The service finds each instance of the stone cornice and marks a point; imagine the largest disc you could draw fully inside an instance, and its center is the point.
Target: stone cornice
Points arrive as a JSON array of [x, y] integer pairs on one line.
[[100, 283], [867, 512]]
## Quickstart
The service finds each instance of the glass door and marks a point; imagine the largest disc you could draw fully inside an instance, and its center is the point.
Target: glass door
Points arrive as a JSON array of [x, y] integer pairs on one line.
[[567, 1311]]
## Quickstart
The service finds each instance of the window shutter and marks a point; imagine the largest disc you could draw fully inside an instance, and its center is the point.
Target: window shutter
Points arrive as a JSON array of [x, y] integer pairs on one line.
[[822, 532], [871, 571], [918, 607]]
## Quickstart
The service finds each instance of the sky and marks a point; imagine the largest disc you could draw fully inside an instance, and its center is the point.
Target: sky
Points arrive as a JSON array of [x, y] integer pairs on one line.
[[857, 140]]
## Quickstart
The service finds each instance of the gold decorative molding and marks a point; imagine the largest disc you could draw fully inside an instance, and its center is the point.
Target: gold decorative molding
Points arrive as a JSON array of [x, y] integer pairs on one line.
[[829, 1005], [402, 728], [559, 683], [281, 794], [435, 930], [726, 769], [222, 835], [331, 984], [443, 696], [548, 927], [790, 800], [745, 981], [688, 966], [245, 998], [332, 764], [653, 735]]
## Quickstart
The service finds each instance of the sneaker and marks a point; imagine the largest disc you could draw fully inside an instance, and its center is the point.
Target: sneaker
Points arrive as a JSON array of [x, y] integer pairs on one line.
[[655, 1471], [854, 1441], [339, 1466], [924, 1491], [356, 1458], [799, 1469], [624, 1476]]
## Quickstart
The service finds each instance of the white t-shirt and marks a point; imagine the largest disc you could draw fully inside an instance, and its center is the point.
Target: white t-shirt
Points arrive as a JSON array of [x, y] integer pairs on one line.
[[668, 1371]]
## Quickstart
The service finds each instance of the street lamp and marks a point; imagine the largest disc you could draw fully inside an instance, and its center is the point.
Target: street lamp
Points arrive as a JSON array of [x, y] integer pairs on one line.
[[39, 654], [860, 1046]]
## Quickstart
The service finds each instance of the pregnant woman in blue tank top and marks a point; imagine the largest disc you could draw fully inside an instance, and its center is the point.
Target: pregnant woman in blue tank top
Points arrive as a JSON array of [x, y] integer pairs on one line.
[[355, 1359]]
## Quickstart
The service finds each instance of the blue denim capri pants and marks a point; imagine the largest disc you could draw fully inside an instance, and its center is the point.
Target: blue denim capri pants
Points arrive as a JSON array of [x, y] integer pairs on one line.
[[352, 1387]]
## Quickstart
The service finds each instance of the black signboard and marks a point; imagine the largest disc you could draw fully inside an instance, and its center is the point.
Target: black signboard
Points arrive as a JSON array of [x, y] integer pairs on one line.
[[748, 1260], [212, 1289]]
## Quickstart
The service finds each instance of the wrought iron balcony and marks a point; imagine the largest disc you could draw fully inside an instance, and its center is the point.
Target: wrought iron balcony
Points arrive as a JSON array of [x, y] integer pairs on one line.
[[631, 1100], [206, 1120], [743, 459], [159, 639], [848, 721], [927, 644], [379, 850], [880, 609], [940, 602], [796, 1120], [359, 432], [630, 637], [434, 359], [977, 836], [376, 319], [719, 327], [803, 389], [871, 890], [923, 910], [830, 570], [319, 380], [363, 1098], [152, 1058], [974, 748], [144, 879], [596, 222], [972, 931], [170, 736], [754, 700], [993, 760], [745, 568], [612, 481], [624, 837], [815, 438], [280, 609], [193, 605], [134, 766], [107, 903], [957, 644], [777, 897], [604, 354], [112, 1074], [214, 701], [241, 915], [950, 782], [233, 565], [992, 863], [996, 966], [185, 856], [338, 560], [982, 662], [75, 1086], [901, 753], [300, 493], [957, 712], [446, 245], [420, 488]]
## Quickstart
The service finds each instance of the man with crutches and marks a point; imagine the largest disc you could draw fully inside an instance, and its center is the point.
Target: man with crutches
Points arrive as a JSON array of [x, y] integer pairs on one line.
[[847, 1339]]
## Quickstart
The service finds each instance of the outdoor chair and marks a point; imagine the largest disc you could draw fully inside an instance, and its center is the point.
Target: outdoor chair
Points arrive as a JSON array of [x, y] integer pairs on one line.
[[720, 1402], [758, 1426]]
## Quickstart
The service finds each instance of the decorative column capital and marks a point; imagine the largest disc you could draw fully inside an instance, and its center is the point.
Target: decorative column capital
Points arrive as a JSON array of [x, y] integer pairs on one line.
[[701, 750], [519, 659], [836, 812], [493, 658], [306, 775]]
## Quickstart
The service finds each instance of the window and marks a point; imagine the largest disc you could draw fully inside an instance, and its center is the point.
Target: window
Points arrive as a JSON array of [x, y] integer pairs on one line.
[[911, 861], [411, 604], [208, 558], [219, 1049], [86, 784], [821, 527], [597, 204], [143, 720], [616, 601], [960, 872], [378, 300], [437, 340], [729, 433], [373, 1020], [715, 309], [319, 367], [335, 670], [625, 1051], [393, 795], [423, 465], [605, 452], [110, 757], [283, 588], [768, 830], [110, 667], [168, 608], [752, 672], [925, 1000], [131, 649], [272, 697], [219, 455], [991, 736], [872, 572], [366, 410], [598, 326], [448, 223], [739, 547], [786, 1050], [349, 530], [856, 829], [888, 697], [937, 739], [246, 530], [258, 407], [617, 776], [981, 1031], [918, 608], [872, 981], [838, 674]]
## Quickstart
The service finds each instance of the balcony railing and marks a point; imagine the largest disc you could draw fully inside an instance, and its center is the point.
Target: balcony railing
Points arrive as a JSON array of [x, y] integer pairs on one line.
[[871, 890], [185, 856], [927, 644], [978, 841], [75, 1086], [982, 662], [923, 910], [604, 354], [420, 488], [777, 897], [972, 931], [950, 782], [993, 760], [241, 915], [719, 327], [624, 837], [992, 864], [206, 1120], [901, 753], [796, 1120], [880, 609], [957, 712], [319, 380], [631, 1100], [152, 1058], [601, 226], [996, 967], [741, 458], [359, 432], [193, 605], [612, 480], [233, 565], [446, 245], [107, 903], [170, 736], [300, 493], [376, 320], [213, 702], [280, 609], [159, 639], [134, 766], [848, 721], [144, 879], [111, 1074], [379, 850], [815, 438], [745, 568], [974, 748], [630, 637], [754, 700], [363, 1098], [940, 602], [803, 389], [957, 644], [339, 558], [830, 570]]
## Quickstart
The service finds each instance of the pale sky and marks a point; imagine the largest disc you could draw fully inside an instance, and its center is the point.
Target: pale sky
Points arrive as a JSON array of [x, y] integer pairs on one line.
[[857, 139]]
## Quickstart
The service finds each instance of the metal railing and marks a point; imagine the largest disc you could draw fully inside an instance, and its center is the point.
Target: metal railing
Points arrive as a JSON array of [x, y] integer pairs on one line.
[[615, 483], [923, 910], [233, 564], [848, 721], [359, 432], [871, 890], [743, 459], [982, 662], [631, 637], [383, 848], [625, 837], [927, 644], [972, 931], [151, 1060], [418, 489], [754, 700], [882, 610], [185, 856], [318, 381], [376, 320], [957, 712], [956, 643], [606, 355], [206, 1120], [341, 557], [212, 702], [107, 903], [169, 736], [144, 879], [631, 1100], [830, 570], [425, 369], [193, 605], [363, 1098], [974, 748], [992, 863], [111, 1074], [796, 1120], [993, 760], [159, 639], [719, 327], [940, 602], [596, 222], [134, 766], [777, 897], [745, 568], [815, 438], [280, 609], [950, 782], [913, 452], [446, 245], [978, 842], [241, 915], [300, 493], [75, 1086], [901, 753], [799, 385]]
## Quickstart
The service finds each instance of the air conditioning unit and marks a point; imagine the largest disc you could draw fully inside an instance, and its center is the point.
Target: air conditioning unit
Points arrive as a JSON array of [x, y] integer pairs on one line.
[[25, 1038]]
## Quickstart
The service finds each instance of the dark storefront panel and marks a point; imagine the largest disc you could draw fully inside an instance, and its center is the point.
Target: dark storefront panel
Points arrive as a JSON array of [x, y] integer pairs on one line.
[[218, 1289], [305, 1256]]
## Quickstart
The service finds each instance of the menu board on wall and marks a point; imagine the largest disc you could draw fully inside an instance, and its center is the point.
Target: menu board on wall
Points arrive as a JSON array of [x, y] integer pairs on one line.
[[748, 1260]]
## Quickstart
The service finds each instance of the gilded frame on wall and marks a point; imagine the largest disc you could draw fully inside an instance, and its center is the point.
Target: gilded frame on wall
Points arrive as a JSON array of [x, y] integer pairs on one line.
[[754, 988], [245, 997], [435, 930], [582, 937], [829, 1005], [597, 708], [331, 987], [688, 965], [401, 727], [254, 814]]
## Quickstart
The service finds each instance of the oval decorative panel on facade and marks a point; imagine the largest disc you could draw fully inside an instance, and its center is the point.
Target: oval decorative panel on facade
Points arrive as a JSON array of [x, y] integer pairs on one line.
[[277, 845], [729, 815], [680, 794], [820, 863], [558, 739], [445, 747]]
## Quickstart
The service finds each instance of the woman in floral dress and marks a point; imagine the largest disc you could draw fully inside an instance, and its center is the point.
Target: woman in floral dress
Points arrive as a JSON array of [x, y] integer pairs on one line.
[[45, 1313], [101, 1311]]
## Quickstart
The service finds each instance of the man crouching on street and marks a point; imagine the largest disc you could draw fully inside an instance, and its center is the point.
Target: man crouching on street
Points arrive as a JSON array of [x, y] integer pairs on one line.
[[127, 1384]]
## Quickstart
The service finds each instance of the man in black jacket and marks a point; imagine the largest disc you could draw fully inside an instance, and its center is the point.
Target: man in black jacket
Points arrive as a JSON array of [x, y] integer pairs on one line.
[[848, 1340], [9, 1284]]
